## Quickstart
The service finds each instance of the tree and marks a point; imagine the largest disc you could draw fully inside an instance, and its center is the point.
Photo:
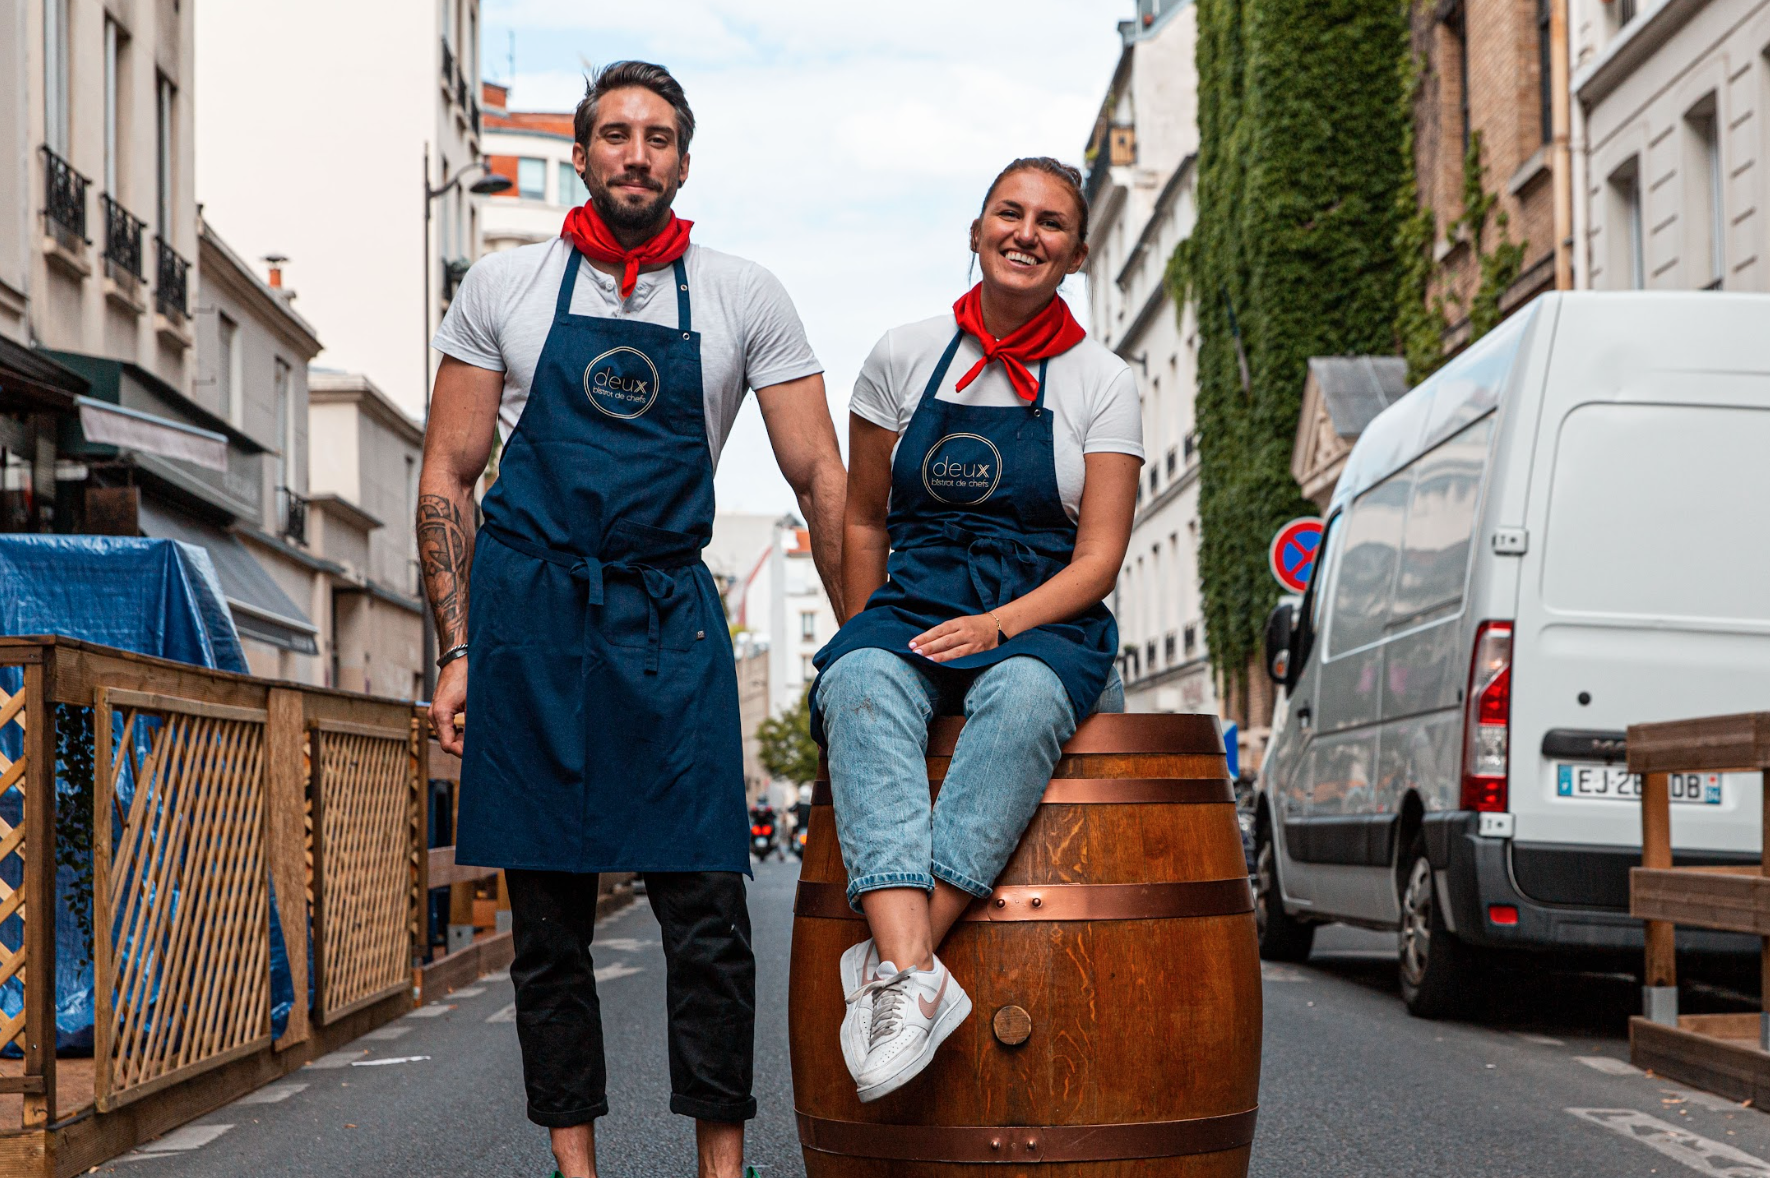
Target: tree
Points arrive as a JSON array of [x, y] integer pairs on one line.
[[788, 751]]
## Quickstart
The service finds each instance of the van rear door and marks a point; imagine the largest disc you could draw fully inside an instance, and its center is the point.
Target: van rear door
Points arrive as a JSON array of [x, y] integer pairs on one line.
[[1645, 592]]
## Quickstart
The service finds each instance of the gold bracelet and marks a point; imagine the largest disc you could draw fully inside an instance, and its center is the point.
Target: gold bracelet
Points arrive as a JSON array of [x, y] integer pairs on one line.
[[1001, 630]]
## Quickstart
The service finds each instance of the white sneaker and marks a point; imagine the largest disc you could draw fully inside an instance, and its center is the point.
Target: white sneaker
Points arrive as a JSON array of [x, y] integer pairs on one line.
[[860, 964], [912, 1014]]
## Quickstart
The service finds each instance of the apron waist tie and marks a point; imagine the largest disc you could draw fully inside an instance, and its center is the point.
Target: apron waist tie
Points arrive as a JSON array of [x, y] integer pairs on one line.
[[658, 584], [1001, 567]]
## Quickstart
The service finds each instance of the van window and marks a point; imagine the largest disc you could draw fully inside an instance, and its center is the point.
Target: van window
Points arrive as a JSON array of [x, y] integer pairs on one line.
[[1440, 524], [1660, 511], [1364, 576]]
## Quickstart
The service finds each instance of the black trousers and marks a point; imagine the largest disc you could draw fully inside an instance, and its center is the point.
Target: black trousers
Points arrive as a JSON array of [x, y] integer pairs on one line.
[[710, 986]]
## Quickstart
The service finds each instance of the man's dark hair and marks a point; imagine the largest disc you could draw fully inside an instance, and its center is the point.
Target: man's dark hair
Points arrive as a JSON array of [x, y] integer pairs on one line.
[[622, 74]]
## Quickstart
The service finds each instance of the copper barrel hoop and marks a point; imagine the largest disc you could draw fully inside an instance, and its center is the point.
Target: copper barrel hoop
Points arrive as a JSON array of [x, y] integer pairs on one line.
[[1110, 791], [1027, 1144], [1054, 902], [1114, 733]]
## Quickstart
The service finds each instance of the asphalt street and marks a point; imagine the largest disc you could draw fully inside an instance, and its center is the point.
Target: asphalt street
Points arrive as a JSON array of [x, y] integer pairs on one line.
[[1535, 1085]]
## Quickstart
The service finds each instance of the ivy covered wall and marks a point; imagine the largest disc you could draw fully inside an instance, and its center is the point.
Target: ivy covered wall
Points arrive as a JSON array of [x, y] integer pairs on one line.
[[1294, 255]]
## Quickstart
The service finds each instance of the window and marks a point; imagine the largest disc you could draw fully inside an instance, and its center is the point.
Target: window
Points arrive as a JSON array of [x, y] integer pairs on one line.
[[1705, 195], [1173, 461], [807, 672], [571, 186], [285, 427], [1545, 90], [1625, 12], [1440, 524], [1362, 586], [163, 114], [1191, 639], [227, 369], [808, 626], [1457, 23], [55, 75], [113, 113], [531, 179], [1168, 645], [1627, 249]]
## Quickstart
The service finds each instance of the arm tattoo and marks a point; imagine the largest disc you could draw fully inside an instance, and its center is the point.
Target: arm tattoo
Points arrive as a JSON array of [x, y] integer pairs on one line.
[[443, 548]]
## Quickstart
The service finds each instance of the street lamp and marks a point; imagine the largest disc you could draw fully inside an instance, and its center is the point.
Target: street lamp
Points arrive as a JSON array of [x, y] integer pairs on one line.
[[489, 184]]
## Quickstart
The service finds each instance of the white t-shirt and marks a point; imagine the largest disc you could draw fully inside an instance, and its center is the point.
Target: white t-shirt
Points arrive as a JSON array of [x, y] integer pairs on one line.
[[1089, 391], [751, 336]]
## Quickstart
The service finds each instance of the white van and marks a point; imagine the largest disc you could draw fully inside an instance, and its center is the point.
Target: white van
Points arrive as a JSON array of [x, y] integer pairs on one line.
[[1564, 531]]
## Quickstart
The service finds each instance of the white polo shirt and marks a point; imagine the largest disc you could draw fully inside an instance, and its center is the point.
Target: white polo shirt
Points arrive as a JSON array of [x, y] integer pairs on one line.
[[751, 336], [1089, 391]]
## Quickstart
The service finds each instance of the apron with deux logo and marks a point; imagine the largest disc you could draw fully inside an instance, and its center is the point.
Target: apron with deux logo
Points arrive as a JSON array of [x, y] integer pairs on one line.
[[977, 520], [602, 706]]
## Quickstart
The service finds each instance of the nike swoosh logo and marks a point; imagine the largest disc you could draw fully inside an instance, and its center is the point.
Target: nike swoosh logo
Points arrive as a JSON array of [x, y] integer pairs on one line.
[[928, 1008]]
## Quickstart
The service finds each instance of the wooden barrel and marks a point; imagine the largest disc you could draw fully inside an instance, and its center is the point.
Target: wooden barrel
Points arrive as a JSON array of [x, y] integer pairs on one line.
[[1114, 977]]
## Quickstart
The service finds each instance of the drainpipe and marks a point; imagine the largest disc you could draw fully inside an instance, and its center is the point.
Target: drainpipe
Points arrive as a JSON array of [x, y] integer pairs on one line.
[[1561, 162]]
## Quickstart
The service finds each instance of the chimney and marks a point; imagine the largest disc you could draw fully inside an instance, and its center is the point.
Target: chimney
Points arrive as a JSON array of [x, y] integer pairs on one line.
[[275, 262]]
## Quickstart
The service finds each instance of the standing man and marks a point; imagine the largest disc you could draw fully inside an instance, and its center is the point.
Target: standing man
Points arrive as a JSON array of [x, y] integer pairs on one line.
[[595, 662]]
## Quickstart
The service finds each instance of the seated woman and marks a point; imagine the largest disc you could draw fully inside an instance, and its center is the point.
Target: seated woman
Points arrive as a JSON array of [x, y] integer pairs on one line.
[[994, 456]]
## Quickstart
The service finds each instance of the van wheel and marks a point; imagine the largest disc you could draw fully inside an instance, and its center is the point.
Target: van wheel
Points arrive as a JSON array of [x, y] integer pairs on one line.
[[1434, 964], [1282, 936]]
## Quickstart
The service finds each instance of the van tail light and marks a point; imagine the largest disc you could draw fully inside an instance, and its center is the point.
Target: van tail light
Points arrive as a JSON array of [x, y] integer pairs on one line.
[[1487, 724]]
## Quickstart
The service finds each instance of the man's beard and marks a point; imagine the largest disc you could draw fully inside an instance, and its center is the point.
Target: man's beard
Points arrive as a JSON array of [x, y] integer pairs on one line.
[[620, 216]]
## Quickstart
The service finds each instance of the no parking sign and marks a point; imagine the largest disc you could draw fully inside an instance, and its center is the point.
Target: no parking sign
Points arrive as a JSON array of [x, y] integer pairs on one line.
[[1293, 552]]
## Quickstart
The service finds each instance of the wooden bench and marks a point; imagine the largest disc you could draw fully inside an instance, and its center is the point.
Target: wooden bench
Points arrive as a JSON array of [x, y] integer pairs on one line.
[[1724, 1053]]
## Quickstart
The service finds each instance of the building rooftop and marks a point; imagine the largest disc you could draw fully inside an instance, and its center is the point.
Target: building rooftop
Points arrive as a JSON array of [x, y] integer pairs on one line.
[[1357, 388]]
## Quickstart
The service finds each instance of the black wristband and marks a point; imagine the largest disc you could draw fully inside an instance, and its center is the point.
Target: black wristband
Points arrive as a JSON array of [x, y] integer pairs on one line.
[[450, 655]]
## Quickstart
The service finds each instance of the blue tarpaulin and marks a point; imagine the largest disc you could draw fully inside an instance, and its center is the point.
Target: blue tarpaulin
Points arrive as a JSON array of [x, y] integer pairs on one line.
[[154, 597]]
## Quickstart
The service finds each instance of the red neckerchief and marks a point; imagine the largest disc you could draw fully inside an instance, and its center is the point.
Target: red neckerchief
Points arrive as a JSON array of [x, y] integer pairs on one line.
[[591, 235], [1051, 332]]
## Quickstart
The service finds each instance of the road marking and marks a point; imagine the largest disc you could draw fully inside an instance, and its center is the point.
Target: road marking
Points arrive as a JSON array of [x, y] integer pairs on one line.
[[392, 1031], [1610, 1067], [623, 944], [1541, 1040], [1279, 973], [271, 1094], [506, 1015], [185, 1139], [433, 1011], [376, 1063], [469, 992], [502, 975], [1699, 1153], [609, 973], [338, 1059]]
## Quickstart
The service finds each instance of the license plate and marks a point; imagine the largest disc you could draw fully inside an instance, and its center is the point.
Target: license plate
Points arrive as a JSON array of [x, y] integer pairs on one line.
[[1607, 781]]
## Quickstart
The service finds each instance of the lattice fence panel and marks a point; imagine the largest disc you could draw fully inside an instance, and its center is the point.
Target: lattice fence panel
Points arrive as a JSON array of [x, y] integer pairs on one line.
[[182, 916], [13, 955], [363, 800]]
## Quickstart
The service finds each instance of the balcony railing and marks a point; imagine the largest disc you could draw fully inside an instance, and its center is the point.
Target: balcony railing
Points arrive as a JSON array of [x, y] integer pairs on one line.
[[64, 196], [122, 237], [461, 91], [170, 281], [473, 106], [448, 65], [294, 517]]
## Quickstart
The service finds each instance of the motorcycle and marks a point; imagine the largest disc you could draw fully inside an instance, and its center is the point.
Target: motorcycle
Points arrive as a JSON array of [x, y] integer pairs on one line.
[[799, 842], [762, 832]]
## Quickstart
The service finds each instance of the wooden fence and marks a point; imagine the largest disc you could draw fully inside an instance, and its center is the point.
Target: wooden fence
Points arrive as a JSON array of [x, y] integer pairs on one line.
[[1724, 1053], [213, 795]]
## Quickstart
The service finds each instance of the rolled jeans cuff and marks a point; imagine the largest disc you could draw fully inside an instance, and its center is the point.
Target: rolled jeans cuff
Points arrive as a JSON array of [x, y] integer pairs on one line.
[[709, 1110], [961, 881], [887, 879], [571, 1118]]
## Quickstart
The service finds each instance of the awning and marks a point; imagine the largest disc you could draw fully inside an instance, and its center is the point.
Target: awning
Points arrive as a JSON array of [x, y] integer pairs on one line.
[[132, 429], [32, 382], [260, 608]]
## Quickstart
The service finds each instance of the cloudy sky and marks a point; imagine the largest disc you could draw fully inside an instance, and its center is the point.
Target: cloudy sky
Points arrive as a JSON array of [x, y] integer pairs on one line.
[[846, 146]]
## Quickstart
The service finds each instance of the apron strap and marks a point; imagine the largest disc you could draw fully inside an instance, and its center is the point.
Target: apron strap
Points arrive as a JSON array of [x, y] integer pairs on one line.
[[1038, 405], [658, 585], [683, 320], [563, 306], [946, 362]]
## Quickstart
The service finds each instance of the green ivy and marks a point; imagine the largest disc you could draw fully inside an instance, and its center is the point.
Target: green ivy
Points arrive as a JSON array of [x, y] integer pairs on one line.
[[1294, 255], [1419, 317]]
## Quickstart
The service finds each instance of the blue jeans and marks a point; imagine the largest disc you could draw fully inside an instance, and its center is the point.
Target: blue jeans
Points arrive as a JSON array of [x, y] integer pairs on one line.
[[876, 707]]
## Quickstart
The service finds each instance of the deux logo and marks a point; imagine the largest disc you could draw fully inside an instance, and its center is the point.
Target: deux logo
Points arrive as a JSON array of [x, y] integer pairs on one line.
[[622, 382], [962, 468]]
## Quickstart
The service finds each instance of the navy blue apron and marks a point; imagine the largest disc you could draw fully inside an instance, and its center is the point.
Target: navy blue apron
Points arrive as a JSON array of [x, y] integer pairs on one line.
[[602, 709], [976, 521]]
